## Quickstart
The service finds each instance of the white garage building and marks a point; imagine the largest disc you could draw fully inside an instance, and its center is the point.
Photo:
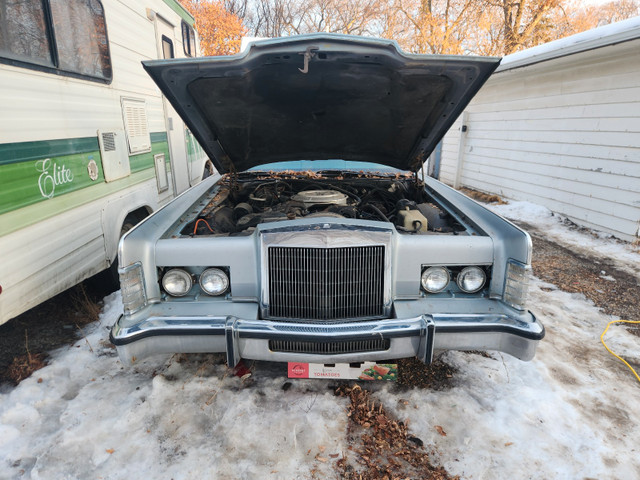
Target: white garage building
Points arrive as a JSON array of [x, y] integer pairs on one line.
[[558, 125]]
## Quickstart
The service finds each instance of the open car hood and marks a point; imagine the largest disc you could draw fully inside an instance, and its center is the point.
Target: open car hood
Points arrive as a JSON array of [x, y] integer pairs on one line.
[[320, 96]]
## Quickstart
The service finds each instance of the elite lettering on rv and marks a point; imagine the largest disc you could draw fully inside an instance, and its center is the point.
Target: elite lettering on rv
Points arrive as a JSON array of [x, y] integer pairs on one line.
[[51, 176]]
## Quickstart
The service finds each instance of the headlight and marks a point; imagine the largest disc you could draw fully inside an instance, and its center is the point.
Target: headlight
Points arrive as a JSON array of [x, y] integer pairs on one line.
[[177, 282], [214, 281], [435, 279], [471, 279]]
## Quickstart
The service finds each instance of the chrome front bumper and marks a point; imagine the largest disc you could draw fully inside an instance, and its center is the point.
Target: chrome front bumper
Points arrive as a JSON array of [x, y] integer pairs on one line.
[[249, 338]]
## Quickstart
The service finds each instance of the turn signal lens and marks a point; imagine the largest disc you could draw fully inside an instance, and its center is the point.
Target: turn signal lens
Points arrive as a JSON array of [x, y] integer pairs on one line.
[[134, 297], [516, 285]]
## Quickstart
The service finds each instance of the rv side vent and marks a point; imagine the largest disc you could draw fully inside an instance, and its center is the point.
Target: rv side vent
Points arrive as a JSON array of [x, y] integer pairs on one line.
[[134, 112], [113, 154], [108, 141]]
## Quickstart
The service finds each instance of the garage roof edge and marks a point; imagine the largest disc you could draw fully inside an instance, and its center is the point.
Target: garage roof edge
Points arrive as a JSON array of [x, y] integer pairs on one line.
[[591, 39]]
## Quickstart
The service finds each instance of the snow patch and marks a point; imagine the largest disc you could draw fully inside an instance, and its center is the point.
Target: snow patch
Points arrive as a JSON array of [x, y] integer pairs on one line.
[[624, 255]]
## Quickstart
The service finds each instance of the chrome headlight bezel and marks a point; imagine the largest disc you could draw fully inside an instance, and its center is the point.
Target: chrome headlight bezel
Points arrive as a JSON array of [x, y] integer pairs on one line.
[[180, 274], [219, 273], [444, 279]]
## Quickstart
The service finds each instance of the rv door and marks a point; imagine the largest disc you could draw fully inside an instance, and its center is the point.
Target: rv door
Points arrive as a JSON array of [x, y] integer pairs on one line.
[[167, 48]]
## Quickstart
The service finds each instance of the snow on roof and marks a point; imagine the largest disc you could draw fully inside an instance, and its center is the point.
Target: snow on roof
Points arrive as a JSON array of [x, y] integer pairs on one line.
[[580, 42]]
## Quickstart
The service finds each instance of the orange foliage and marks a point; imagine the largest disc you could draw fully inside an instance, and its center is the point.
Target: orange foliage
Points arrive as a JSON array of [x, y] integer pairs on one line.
[[220, 31]]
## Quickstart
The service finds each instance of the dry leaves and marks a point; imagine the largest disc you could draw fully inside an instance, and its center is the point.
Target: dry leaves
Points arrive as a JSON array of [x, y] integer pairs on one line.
[[483, 197], [24, 365], [381, 445], [413, 373]]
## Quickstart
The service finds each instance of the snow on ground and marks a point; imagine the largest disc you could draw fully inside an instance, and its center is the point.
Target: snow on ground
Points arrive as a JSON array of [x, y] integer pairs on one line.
[[90, 418], [570, 413], [587, 243]]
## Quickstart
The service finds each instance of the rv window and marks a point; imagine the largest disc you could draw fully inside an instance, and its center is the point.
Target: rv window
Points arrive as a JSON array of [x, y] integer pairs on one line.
[[27, 28], [81, 37], [188, 40], [167, 48], [23, 32]]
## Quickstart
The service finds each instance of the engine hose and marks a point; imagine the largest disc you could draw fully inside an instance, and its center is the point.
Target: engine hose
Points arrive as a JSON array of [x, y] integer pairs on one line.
[[377, 210]]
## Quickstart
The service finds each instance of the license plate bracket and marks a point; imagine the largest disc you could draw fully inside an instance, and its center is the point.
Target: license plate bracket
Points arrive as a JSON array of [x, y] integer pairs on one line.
[[367, 371]]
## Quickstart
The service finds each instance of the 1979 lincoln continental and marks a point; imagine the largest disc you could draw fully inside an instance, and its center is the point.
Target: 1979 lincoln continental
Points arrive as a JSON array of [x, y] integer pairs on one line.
[[319, 242]]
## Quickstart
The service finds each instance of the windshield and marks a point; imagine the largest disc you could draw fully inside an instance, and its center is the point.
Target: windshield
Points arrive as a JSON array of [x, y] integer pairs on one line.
[[322, 165]]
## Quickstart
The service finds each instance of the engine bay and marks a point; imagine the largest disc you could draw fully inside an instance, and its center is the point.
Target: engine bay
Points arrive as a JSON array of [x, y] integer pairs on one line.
[[240, 203]]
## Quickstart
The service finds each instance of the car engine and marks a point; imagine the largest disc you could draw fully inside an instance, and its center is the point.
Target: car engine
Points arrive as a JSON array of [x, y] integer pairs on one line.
[[238, 205]]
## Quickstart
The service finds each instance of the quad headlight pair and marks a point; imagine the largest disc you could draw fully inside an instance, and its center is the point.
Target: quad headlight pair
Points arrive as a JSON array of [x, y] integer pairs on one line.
[[469, 279], [178, 282]]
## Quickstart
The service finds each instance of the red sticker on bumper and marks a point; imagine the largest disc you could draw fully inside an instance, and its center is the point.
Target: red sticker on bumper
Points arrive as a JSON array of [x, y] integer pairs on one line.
[[298, 370]]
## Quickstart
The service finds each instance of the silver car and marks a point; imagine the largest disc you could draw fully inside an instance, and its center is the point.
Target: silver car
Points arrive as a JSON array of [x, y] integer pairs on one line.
[[318, 241]]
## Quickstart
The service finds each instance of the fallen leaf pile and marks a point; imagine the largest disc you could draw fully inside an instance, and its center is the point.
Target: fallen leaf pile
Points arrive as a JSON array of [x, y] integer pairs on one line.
[[413, 373], [23, 366], [483, 197], [381, 447]]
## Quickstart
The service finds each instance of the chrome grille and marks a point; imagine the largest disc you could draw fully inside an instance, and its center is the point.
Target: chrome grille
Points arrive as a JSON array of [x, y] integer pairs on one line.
[[326, 283], [330, 348]]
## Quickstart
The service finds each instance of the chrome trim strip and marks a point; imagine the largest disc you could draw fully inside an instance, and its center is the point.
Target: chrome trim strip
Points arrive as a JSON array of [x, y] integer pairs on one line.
[[232, 336]]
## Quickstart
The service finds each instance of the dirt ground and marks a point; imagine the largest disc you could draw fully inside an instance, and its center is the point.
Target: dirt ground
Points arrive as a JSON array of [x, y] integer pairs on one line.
[[613, 290], [26, 341]]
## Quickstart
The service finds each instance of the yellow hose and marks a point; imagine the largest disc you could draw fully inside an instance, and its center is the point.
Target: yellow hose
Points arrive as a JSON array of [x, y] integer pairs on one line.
[[609, 350]]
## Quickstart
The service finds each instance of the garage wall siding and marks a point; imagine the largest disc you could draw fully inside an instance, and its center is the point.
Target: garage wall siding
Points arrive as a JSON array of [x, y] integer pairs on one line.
[[564, 133]]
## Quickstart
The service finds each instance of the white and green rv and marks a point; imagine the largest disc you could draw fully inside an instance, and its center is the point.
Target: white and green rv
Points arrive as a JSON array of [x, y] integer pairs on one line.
[[88, 144]]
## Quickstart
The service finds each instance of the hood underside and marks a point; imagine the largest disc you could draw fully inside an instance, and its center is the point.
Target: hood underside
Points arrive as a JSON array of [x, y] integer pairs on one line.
[[318, 97]]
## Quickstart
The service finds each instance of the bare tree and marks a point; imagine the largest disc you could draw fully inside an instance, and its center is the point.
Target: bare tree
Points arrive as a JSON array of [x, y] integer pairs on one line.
[[441, 26], [354, 17], [272, 18], [520, 20], [277, 18], [484, 27], [591, 16]]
